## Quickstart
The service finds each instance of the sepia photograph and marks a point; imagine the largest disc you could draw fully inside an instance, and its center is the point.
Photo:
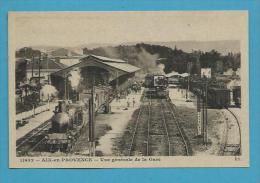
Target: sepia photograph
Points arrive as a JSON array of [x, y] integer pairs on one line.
[[128, 89]]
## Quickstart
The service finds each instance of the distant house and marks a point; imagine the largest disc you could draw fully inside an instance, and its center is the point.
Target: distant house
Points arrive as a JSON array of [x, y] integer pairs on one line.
[[68, 61], [47, 66], [66, 56], [205, 72]]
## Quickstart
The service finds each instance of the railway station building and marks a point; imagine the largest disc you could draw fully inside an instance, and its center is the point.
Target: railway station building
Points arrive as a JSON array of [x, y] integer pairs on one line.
[[98, 71]]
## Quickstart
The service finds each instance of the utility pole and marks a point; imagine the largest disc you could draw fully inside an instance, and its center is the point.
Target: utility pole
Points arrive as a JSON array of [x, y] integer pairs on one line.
[[202, 107], [32, 65], [204, 96], [48, 74], [188, 83], [39, 82], [92, 144], [117, 80], [68, 87], [199, 126], [203, 113], [206, 114]]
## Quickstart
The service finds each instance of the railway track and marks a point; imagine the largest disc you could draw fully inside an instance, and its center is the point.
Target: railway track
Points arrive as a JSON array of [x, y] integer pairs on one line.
[[231, 149], [33, 139], [157, 131], [179, 142], [138, 144], [159, 141]]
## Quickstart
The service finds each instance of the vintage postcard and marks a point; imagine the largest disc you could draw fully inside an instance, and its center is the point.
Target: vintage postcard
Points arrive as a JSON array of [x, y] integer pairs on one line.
[[128, 89]]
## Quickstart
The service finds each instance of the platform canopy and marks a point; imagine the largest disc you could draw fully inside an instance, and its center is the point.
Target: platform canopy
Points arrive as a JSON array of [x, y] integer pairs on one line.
[[115, 67]]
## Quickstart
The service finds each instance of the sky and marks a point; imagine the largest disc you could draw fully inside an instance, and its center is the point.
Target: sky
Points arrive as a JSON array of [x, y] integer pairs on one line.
[[68, 29]]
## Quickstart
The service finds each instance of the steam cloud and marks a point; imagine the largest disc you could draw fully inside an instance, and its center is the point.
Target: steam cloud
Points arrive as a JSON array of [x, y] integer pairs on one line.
[[139, 57], [47, 92], [148, 61], [75, 79], [161, 68]]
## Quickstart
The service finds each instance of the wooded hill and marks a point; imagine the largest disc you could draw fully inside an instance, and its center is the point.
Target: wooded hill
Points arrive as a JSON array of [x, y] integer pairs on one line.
[[148, 56]]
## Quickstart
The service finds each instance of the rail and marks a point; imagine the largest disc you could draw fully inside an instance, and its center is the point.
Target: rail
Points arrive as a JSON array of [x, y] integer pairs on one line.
[[135, 130], [187, 152], [238, 146], [20, 142], [166, 129]]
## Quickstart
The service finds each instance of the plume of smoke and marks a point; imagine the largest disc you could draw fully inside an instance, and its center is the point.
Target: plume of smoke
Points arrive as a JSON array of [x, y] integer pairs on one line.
[[111, 52], [75, 78], [161, 68], [47, 92], [136, 56], [148, 60]]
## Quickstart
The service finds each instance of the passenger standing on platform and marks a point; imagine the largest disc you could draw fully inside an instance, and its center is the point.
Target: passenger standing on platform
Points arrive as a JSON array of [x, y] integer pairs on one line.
[[128, 103], [133, 102], [129, 90], [118, 97]]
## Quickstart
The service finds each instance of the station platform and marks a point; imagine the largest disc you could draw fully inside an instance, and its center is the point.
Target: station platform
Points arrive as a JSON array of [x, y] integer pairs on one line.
[[34, 122], [117, 119], [178, 97]]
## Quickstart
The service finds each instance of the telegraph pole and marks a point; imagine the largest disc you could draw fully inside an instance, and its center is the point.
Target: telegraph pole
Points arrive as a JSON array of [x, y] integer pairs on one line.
[[199, 128], [203, 112], [92, 149], [39, 78], [188, 83], [32, 65], [65, 88], [202, 109], [206, 113], [47, 60]]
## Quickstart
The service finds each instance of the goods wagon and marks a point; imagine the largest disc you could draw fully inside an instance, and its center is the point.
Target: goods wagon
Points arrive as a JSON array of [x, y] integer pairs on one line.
[[237, 95], [218, 97]]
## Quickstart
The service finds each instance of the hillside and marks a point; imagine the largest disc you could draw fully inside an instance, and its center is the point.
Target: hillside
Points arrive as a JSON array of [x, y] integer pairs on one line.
[[147, 57], [223, 47]]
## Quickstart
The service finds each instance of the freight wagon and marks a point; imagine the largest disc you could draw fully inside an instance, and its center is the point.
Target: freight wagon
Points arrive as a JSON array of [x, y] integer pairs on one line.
[[218, 97], [237, 95]]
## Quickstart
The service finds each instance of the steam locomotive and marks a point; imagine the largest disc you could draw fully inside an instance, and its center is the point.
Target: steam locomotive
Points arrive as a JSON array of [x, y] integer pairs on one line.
[[156, 86], [66, 126]]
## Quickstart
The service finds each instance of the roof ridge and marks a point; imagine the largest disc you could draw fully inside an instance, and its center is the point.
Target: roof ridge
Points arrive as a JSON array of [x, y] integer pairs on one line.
[[108, 59], [59, 64]]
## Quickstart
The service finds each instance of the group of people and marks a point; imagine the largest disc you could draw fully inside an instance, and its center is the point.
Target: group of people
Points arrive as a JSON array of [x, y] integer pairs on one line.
[[133, 88], [128, 102]]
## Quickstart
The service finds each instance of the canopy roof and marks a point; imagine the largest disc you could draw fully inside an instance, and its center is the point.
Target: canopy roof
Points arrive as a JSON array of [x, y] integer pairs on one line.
[[115, 67]]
